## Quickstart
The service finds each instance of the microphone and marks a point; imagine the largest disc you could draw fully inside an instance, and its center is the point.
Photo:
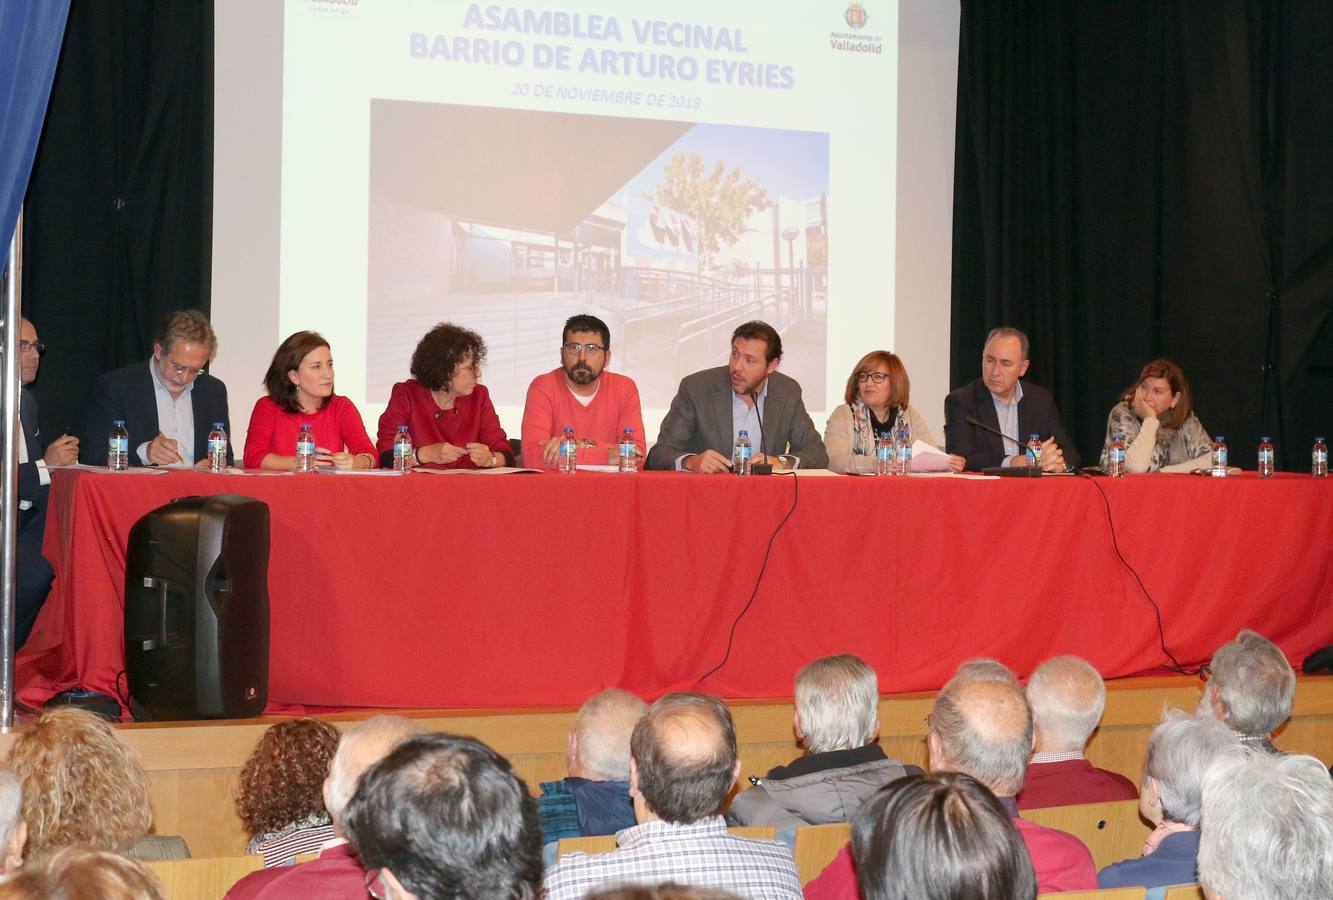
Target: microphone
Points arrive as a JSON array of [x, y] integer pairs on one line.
[[763, 468], [973, 420]]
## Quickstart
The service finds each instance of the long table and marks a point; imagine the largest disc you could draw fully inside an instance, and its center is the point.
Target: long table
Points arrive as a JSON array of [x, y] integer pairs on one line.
[[538, 590]]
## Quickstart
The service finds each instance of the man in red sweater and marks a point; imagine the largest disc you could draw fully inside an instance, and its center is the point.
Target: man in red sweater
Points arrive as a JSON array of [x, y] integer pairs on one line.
[[1067, 697], [599, 405]]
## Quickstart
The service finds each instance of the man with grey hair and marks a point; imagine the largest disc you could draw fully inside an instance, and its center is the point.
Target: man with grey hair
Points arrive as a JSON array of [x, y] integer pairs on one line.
[[169, 405], [981, 726], [837, 719], [1067, 697], [997, 403], [594, 799], [337, 872], [1267, 830], [1250, 690], [13, 829], [683, 765], [1181, 752]]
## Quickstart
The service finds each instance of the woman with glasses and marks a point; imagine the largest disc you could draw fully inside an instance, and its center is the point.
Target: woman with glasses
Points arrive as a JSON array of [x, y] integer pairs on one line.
[[447, 412], [877, 398], [300, 392]]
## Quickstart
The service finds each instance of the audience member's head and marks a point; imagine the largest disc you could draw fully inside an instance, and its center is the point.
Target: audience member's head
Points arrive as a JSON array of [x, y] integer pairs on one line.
[[1251, 687], [1267, 829], [13, 830], [599, 744], [984, 729], [80, 784], [1067, 697], [983, 668], [939, 836], [670, 891], [444, 816], [360, 748], [282, 781], [1181, 752], [84, 873], [684, 759], [837, 704]]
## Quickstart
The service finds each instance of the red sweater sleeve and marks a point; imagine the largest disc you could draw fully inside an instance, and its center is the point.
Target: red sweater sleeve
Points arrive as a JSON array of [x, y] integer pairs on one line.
[[259, 435], [537, 417], [353, 431], [489, 431], [398, 412]]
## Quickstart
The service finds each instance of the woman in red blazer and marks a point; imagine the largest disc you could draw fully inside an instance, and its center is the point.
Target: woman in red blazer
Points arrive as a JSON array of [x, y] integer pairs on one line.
[[447, 412]]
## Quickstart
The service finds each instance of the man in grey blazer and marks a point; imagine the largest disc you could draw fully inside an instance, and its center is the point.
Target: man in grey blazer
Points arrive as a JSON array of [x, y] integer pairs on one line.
[[713, 406]]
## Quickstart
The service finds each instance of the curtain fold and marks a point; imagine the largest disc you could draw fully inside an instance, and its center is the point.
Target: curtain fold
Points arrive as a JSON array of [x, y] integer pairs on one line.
[[30, 38]]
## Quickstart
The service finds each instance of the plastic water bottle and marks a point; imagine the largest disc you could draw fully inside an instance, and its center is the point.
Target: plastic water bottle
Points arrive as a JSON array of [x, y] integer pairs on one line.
[[1034, 450], [902, 448], [884, 455], [1219, 457], [1115, 456], [626, 453], [1265, 457], [305, 450], [217, 448], [118, 447], [740, 456], [402, 450], [1319, 459], [568, 463]]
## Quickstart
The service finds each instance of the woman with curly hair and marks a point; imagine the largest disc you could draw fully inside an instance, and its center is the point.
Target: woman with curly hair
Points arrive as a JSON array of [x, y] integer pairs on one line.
[[447, 412], [83, 786], [299, 382], [280, 798]]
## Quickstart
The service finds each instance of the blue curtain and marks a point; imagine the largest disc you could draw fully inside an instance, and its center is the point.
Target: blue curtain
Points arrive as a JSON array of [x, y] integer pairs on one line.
[[30, 36]]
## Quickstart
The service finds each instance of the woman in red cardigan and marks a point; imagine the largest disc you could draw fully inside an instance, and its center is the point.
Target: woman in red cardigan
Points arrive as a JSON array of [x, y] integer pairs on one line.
[[448, 414], [300, 392]]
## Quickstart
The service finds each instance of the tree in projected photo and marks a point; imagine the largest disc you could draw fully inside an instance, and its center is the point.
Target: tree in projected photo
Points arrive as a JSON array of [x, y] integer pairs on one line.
[[721, 201]]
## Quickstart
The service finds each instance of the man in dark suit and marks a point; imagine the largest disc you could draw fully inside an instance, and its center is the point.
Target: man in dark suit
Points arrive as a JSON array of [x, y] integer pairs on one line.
[[1001, 402], [169, 405], [712, 407], [34, 572]]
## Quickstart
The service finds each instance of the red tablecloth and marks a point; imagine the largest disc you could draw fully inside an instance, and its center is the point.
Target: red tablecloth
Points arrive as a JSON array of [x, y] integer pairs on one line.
[[486, 591]]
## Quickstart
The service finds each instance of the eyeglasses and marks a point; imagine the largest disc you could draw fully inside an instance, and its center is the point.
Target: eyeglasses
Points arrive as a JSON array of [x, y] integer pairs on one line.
[[376, 885], [877, 377], [32, 347], [590, 349], [183, 371]]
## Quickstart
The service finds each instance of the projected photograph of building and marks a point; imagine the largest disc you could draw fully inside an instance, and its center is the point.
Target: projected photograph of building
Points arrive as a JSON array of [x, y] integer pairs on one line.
[[510, 221]]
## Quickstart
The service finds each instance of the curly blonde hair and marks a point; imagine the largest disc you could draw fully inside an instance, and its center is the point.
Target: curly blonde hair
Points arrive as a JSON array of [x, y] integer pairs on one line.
[[283, 780], [81, 785]]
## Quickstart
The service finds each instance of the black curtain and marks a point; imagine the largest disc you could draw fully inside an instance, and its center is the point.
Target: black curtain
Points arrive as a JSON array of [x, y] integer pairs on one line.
[[1136, 179], [118, 216]]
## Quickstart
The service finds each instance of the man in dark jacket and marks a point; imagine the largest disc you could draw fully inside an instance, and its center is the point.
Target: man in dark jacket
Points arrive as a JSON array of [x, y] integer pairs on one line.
[[837, 718]]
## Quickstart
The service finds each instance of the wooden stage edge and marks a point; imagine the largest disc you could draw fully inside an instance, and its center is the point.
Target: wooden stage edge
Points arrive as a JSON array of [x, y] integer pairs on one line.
[[193, 766]]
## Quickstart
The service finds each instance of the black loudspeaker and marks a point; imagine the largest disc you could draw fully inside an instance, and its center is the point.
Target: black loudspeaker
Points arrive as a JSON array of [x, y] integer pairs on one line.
[[196, 609]]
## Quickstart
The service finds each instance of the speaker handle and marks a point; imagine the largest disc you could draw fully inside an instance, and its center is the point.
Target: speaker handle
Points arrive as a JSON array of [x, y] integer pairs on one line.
[[161, 586]]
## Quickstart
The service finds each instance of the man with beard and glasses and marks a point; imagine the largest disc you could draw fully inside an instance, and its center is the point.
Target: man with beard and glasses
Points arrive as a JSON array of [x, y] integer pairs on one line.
[[599, 405], [749, 394]]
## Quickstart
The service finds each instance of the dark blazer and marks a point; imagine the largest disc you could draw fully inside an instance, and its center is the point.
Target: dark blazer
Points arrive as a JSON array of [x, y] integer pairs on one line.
[[1036, 415], [128, 394], [30, 482], [700, 419]]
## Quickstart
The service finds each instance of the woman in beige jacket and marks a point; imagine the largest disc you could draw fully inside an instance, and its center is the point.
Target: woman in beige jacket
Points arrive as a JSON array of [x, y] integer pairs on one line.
[[877, 395]]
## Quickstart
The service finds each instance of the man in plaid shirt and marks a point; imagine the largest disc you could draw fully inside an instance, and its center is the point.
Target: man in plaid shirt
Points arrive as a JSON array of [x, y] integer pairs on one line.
[[683, 764]]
